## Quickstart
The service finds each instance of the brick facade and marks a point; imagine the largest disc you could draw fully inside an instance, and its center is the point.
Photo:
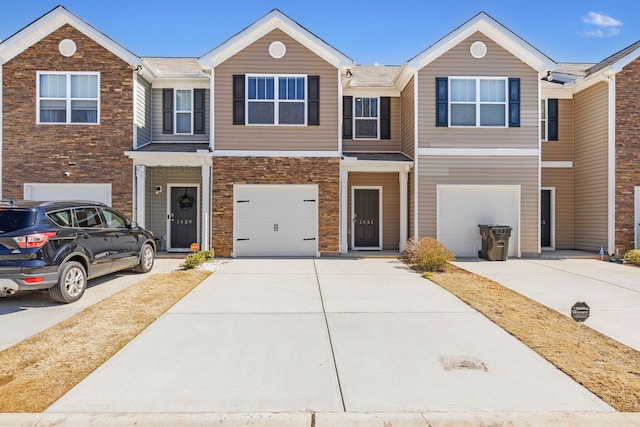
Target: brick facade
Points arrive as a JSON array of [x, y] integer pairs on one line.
[[92, 153], [627, 153], [279, 170]]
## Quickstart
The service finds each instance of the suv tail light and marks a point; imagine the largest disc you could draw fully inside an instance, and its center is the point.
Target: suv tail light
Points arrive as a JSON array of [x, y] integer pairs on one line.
[[34, 240]]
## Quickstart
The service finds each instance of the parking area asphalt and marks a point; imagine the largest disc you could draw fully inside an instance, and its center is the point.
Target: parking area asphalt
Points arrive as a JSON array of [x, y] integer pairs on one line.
[[332, 336], [611, 290]]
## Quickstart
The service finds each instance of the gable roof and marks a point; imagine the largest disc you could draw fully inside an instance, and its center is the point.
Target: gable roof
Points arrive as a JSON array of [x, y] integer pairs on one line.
[[618, 60], [266, 24], [495, 31], [52, 21]]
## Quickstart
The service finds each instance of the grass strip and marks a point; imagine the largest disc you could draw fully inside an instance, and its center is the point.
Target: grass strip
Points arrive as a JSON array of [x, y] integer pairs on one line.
[[39, 370], [606, 367]]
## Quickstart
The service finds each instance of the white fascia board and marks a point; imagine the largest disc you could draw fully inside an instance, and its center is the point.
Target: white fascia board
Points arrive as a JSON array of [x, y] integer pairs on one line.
[[266, 24], [51, 22], [500, 152], [371, 91], [496, 32], [198, 83], [252, 153], [202, 157], [561, 92], [559, 165], [351, 165]]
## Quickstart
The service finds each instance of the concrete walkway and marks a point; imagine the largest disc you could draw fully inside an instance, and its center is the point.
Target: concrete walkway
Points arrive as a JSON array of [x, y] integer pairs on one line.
[[611, 290], [329, 336]]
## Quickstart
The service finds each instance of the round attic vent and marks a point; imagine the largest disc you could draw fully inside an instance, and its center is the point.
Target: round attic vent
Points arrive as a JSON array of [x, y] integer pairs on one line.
[[67, 47], [478, 49], [277, 49]]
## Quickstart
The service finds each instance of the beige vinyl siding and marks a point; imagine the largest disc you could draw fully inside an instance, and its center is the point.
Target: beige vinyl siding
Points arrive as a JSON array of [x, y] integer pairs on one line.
[[156, 204], [408, 119], [591, 168], [562, 180], [158, 136], [380, 145], [143, 111], [497, 63], [481, 170], [255, 59], [390, 204], [562, 149]]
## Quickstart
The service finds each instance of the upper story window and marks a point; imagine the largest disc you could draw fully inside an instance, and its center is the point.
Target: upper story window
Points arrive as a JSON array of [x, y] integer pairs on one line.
[[543, 120], [548, 119], [276, 100], [68, 97], [365, 118], [477, 102], [184, 111]]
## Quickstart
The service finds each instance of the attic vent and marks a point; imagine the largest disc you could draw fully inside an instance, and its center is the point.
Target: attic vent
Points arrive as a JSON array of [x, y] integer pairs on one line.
[[277, 49], [67, 47], [478, 49]]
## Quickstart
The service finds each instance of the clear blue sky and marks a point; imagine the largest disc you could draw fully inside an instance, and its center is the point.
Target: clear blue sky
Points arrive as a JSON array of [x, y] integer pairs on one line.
[[385, 32]]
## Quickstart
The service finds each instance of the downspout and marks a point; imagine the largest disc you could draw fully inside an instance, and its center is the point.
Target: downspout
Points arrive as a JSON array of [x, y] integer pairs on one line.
[[611, 249], [416, 107]]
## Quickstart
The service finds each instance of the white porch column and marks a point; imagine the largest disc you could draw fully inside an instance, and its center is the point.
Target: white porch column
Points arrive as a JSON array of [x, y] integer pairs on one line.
[[206, 206], [141, 175], [344, 185], [403, 176]]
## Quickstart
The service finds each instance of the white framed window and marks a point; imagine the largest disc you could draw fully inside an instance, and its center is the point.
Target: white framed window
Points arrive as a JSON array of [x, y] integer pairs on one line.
[[68, 97], [183, 111], [366, 121], [276, 100], [478, 101], [544, 123]]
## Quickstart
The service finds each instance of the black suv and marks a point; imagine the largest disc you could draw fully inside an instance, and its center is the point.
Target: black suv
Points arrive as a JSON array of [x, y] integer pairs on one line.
[[59, 245]]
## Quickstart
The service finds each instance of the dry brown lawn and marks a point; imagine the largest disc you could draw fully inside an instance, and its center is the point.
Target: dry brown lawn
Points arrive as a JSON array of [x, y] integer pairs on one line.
[[608, 368], [39, 370]]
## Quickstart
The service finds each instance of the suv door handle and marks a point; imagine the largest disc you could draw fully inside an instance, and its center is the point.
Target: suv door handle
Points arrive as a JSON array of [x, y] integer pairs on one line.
[[83, 235]]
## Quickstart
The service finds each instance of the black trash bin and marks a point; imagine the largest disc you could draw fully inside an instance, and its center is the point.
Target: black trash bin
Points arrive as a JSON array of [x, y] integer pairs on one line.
[[495, 242]]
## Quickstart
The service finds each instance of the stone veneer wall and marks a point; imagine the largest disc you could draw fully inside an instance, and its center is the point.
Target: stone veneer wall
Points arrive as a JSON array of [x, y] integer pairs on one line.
[[627, 153], [276, 170], [42, 152]]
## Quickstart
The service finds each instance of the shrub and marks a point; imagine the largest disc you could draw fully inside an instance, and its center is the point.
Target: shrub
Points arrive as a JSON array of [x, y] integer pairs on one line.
[[428, 254], [197, 258], [633, 257]]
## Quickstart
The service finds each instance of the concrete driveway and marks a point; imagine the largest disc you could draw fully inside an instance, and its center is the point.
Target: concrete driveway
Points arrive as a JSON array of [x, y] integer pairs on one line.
[[27, 313], [611, 290], [324, 335]]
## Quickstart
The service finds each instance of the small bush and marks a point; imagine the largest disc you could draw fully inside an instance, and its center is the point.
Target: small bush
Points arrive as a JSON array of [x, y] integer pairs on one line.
[[428, 254], [196, 259], [633, 257]]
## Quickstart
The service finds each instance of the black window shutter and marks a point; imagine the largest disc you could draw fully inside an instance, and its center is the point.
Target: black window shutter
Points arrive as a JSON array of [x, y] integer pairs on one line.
[[347, 117], [552, 118], [442, 101], [385, 117], [313, 104], [514, 102], [238, 99], [167, 110], [198, 111]]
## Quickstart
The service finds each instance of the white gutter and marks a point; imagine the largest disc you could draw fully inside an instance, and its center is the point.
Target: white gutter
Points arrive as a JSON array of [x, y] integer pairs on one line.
[[611, 249], [416, 106]]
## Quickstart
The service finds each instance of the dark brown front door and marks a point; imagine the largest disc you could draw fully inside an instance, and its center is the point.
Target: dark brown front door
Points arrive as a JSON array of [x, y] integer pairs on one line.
[[366, 218]]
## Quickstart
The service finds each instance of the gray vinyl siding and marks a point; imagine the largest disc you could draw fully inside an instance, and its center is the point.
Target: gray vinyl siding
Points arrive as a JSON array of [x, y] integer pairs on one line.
[[158, 136], [143, 111], [479, 170], [562, 180], [156, 204], [390, 204], [497, 63], [591, 168], [562, 149], [255, 58], [380, 145], [408, 119]]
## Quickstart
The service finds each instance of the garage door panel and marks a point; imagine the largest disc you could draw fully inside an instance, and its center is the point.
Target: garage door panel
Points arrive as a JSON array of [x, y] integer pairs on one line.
[[64, 191]]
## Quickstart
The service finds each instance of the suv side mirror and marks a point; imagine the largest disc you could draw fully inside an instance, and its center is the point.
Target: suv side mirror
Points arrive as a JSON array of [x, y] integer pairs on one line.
[[133, 225]]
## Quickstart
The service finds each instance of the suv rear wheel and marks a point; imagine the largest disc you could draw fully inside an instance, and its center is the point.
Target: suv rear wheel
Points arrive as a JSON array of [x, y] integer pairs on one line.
[[71, 285]]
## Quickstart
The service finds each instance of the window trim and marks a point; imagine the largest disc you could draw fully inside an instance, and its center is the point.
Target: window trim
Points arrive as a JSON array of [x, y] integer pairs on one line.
[[478, 102], [276, 101], [545, 119], [176, 112], [356, 118], [68, 100]]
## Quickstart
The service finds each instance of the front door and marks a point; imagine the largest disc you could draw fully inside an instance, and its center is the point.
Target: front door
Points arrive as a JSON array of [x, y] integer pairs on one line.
[[366, 218], [183, 216], [545, 218]]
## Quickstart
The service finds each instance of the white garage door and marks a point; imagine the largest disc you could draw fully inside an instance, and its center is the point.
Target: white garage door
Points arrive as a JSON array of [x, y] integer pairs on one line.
[[275, 220], [60, 191], [462, 207]]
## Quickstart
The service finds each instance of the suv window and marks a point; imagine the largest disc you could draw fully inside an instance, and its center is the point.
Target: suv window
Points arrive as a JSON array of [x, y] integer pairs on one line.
[[88, 218], [114, 219], [62, 218], [16, 219]]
